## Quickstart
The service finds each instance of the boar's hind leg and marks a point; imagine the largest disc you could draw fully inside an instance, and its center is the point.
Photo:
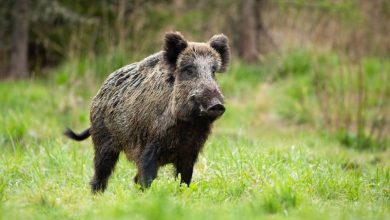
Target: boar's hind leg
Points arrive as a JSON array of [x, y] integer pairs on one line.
[[147, 167], [106, 157]]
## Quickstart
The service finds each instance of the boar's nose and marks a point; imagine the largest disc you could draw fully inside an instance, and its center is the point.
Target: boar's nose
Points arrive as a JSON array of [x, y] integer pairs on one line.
[[215, 110]]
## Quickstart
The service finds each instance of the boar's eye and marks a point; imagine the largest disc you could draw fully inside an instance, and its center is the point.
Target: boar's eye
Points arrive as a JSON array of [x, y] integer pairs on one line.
[[213, 70], [189, 70]]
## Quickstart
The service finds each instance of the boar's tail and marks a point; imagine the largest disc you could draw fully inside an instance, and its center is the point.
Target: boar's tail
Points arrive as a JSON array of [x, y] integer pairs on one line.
[[78, 137]]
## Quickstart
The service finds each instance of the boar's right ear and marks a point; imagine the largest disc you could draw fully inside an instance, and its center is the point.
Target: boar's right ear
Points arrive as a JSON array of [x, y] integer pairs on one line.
[[174, 44]]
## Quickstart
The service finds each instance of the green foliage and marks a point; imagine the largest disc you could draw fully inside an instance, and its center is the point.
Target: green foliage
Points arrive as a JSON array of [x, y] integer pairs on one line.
[[94, 67], [248, 170], [298, 62], [347, 12], [279, 200], [360, 141], [278, 152], [241, 79], [324, 90]]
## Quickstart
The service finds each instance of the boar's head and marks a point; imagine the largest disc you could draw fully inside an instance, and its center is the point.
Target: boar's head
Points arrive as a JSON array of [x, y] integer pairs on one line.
[[193, 65]]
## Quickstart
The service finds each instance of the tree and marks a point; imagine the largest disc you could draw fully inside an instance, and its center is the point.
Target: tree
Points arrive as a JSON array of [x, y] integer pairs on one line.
[[247, 47], [254, 39], [19, 43]]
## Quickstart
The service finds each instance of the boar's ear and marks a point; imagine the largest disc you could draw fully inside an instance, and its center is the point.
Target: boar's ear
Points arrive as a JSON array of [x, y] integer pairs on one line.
[[174, 44], [220, 43]]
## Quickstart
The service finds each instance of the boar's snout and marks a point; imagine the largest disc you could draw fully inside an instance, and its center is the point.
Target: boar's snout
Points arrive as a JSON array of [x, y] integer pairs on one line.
[[214, 110]]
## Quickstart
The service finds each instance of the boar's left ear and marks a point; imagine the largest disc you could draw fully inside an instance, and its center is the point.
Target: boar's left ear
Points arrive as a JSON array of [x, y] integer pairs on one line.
[[220, 43], [174, 44]]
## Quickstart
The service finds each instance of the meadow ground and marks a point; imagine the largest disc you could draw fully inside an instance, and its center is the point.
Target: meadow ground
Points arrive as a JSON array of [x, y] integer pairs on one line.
[[254, 165]]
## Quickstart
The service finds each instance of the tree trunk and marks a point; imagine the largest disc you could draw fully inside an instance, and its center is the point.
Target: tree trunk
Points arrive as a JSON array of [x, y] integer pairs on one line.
[[254, 40], [265, 41], [19, 43], [120, 24], [247, 44]]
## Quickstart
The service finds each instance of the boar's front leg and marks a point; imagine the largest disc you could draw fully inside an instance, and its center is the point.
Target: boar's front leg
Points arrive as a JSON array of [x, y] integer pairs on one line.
[[147, 167], [185, 169]]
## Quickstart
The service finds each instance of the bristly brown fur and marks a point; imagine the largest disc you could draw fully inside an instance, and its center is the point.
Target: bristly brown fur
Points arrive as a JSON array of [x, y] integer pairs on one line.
[[151, 110]]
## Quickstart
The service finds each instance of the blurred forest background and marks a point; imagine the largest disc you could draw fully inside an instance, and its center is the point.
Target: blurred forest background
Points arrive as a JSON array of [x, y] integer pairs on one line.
[[340, 48], [39, 34], [306, 128]]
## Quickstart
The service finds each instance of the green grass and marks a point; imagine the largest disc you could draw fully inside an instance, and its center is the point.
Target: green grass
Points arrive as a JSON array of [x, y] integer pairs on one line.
[[255, 164]]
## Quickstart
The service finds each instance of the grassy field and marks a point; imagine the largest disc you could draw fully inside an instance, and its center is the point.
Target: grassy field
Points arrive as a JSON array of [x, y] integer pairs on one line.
[[255, 165]]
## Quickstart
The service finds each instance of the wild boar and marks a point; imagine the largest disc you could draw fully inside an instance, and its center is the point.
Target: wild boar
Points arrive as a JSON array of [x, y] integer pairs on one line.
[[159, 110]]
